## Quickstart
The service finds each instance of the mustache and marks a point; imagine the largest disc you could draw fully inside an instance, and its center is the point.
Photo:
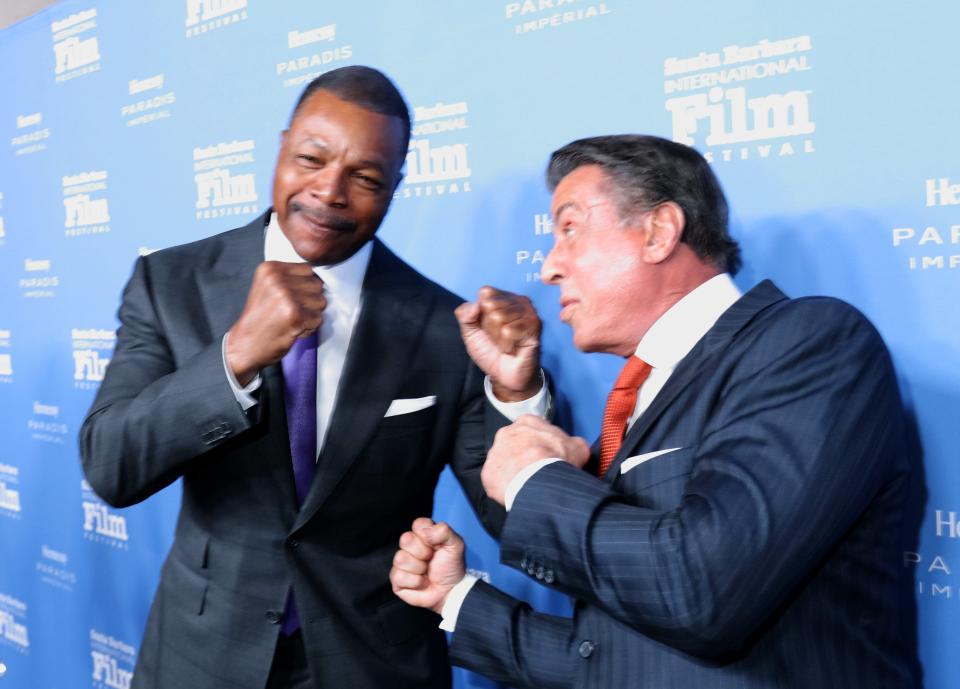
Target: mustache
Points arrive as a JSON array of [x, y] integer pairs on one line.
[[325, 217]]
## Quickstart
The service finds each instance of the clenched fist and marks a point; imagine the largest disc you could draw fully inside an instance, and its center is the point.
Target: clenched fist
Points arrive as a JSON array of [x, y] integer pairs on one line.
[[526, 441], [501, 332], [285, 302], [428, 564]]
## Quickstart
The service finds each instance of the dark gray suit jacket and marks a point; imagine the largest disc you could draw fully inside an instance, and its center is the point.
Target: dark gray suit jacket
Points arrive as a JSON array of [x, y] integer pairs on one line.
[[165, 410], [763, 551]]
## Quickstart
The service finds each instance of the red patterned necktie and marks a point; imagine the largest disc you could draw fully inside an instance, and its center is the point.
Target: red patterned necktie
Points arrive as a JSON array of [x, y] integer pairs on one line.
[[620, 404]]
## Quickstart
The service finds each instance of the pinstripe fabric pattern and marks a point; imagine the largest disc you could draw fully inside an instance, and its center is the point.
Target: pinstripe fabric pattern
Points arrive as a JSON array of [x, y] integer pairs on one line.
[[763, 553]]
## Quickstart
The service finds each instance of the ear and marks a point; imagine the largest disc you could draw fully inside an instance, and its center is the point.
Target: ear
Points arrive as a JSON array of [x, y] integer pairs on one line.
[[663, 229]]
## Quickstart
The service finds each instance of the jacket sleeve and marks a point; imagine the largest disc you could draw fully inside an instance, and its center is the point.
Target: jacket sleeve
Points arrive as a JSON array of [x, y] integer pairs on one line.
[[153, 416], [804, 435], [505, 640], [476, 427]]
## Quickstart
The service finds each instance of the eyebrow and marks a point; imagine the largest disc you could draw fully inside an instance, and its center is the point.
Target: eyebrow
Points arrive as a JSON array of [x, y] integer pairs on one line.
[[365, 163], [562, 208]]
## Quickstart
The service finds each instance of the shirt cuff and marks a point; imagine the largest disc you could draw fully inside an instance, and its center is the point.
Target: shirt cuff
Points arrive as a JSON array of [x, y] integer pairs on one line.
[[451, 606], [538, 405], [524, 475], [244, 394]]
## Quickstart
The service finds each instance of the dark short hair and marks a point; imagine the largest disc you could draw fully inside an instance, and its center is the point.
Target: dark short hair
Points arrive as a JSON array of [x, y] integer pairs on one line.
[[646, 171], [367, 87]]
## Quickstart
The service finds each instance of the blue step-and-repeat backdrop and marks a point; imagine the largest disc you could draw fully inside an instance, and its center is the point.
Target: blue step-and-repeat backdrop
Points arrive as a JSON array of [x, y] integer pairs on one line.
[[132, 126]]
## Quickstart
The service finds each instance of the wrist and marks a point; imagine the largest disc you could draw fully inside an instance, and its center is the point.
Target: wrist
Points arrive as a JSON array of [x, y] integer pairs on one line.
[[243, 370], [513, 394]]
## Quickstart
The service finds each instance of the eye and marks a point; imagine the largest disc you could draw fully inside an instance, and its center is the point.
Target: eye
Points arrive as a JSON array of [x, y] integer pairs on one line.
[[308, 160], [567, 231], [368, 182]]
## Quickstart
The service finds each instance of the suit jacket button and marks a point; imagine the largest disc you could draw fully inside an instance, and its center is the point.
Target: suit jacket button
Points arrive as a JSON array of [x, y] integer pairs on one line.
[[586, 649], [549, 577], [293, 542], [539, 572], [523, 563], [273, 617]]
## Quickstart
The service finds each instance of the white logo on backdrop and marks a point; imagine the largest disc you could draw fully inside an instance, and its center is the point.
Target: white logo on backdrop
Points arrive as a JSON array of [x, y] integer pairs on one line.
[[436, 168], [932, 247], [220, 190], [112, 661], [729, 121], [85, 214], [100, 524], [89, 363], [75, 55], [537, 15], [305, 67], [13, 628], [147, 110], [33, 141], [36, 286], [530, 258], [204, 16]]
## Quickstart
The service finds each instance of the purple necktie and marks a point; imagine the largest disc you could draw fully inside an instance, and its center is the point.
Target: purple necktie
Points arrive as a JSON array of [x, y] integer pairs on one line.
[[300, 397]]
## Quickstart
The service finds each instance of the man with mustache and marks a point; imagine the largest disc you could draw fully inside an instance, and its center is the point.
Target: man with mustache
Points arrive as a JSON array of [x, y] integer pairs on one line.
[[739, 523], [309, 387]]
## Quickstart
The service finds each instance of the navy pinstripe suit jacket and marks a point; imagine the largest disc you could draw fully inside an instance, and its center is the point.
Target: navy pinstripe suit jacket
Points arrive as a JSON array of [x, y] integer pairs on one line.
[[764, 552]]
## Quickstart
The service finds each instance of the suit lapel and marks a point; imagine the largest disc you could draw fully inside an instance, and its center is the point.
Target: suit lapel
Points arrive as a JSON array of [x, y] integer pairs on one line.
[[223, 287], [700, 357], [387, 334]]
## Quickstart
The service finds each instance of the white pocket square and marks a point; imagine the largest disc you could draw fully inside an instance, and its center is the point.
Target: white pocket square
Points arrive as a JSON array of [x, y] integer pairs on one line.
[[398, 407], [630, 462]]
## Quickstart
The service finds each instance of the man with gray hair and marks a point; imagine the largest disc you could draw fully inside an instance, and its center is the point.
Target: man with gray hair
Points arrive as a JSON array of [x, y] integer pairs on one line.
[[737, 524]]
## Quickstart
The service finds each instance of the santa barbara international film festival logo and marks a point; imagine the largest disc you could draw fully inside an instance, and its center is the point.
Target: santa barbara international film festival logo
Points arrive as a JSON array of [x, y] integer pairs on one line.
[[221, 190], [933, 247], [112, 660], [77, 52], [85, 209], [310, 53], [934, 568], [100, 524], [152, 106], [92, 349], [32, 140], [724, 102], [9, 491], [437, 162], [13, 623], [204, 16]]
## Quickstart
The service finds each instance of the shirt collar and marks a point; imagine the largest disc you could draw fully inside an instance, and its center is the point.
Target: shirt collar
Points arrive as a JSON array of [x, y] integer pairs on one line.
[[342, 281], [676, 332]]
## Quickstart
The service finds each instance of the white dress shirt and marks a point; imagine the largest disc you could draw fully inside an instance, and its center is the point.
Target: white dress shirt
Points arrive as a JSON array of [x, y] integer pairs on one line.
[[342, 286], [664, 345]]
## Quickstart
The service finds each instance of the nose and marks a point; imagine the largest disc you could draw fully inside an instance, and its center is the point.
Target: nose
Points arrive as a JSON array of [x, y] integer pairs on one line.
[[329, 186], [552, 270]]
